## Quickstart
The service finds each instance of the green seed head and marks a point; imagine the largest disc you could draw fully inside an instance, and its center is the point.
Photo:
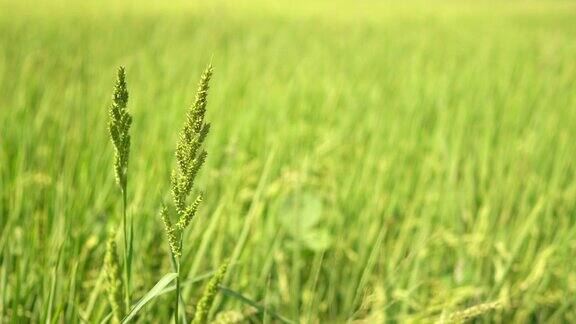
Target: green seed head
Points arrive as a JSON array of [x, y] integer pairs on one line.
[[190, 157], [170, 232], [114, 280], [208, 295], [119, 128], [233, 317], [472, 312], [189, 213]]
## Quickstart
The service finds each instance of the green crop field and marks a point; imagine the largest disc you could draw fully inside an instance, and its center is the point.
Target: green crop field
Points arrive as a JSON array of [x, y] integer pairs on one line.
[[368, 162]]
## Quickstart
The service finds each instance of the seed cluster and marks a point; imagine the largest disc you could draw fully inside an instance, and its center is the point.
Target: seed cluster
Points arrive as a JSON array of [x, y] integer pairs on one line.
[[114, 280], [119, 127], [190, 157], [210, 291]]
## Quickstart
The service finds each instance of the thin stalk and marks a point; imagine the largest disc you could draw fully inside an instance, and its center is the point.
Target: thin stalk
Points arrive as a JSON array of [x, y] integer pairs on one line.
[[175, 262], [127, 250], [177, 299], [119, 127]]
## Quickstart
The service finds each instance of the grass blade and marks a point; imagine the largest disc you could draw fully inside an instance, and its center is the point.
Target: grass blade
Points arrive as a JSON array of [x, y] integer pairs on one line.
[[248, 301], [150, 295]]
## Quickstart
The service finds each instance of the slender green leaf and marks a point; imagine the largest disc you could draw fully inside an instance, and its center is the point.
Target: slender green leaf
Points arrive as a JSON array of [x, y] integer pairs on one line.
[[229, 292], [150, 295]]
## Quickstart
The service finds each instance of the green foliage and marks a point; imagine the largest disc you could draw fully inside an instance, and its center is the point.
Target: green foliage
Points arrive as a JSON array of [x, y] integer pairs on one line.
[[471, 312], [150, 295], [370, 162], [210, 291], [303, 221], [114, 285]]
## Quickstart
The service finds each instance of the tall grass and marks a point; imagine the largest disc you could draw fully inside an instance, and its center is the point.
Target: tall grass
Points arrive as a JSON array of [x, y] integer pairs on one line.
[[190, 156], [372, 162], [119, 128]]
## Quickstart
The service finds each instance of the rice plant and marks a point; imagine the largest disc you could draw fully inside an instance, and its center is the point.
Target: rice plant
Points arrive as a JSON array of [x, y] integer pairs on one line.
[[369, 162]]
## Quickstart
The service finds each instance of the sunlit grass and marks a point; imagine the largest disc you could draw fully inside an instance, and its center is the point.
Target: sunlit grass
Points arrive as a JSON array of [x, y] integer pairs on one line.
[[373, 161]]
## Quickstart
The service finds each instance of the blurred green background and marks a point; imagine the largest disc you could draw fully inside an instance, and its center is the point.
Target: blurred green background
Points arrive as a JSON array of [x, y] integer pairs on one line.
[[371, 161]]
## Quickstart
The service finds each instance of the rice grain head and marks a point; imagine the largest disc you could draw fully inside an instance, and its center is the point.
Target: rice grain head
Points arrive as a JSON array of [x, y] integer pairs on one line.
[[189, 213], [234, 316], [472, 312], [190, 155], [170, 232], [119, 128], [114, 285], [208, 295]]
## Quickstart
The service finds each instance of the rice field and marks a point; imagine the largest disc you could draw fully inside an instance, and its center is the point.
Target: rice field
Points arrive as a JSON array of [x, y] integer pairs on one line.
[[368, 161]]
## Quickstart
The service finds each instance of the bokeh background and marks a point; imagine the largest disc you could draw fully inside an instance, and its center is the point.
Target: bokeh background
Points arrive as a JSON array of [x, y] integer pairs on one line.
[[374, 161]]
